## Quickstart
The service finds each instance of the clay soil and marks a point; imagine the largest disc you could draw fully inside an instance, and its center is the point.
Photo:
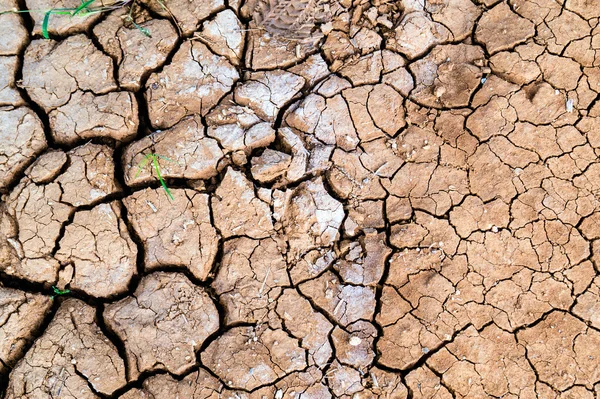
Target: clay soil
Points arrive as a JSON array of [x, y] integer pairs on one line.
[[371, 199]]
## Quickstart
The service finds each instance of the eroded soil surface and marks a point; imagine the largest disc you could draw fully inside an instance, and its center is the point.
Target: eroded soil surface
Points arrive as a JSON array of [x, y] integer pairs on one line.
[[371, 199]]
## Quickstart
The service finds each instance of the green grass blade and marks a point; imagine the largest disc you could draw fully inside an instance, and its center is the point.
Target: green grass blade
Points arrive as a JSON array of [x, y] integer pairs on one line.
[[141, 165], [83, 5], [45, 24], [165, 158], [162, 181], [141, 29]]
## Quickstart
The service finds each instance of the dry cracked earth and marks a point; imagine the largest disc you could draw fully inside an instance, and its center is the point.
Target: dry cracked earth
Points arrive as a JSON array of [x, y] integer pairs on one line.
[[371, 199]]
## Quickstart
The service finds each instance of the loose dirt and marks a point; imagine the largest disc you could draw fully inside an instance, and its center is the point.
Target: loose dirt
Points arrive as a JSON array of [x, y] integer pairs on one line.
[[370, 199]]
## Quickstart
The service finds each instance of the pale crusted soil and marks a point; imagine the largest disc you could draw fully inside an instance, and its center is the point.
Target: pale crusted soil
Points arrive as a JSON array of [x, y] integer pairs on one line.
[[371, 199]]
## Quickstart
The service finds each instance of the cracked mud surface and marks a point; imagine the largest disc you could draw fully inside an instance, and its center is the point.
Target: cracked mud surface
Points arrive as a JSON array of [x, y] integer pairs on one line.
[[371, 199]]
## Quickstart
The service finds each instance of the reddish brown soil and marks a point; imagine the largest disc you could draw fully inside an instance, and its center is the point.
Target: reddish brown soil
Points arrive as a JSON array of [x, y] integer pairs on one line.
[[371, 199]]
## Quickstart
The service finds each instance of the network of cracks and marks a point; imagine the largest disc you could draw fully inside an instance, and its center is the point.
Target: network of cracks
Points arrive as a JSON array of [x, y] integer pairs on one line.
[[393, 199]]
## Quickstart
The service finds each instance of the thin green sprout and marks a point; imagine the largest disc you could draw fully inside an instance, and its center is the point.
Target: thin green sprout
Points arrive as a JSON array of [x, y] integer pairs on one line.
[[154, 158], [59, 292]]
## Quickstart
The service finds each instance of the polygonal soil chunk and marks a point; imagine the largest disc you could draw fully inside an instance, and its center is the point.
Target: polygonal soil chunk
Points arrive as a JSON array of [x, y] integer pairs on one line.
[[39, 210], [197, 385], [562, 349], [237, 210], [447, 76], [458, 16], [501, 29], [429, 186], [247, 358], [21, 314], [366, 215], [270, 165], [183, 152], [364, 261], [249, 278], [187, 14], [53, 71], [278, 53], [496, 117], [311, 218], [349, 178], [344, 303], [225, 35], [35, 215], [233, 137], [9, 95], [419, 310], [21, 140], [588, 304], [309, 384], [86, 116], [309, 155], [344, 381], [587, 9], [484, 364], [416, 34], [489, 177], [510, 66], [73, 359], [13, 32], [424, 384], [375, 109], [511, 272], [136, 53], [539, 103], [163, 324], [267, 92], [354, 347], [192, 83], [174, 233], [90, 176], [60, 24], [306, 324], [560, 72], [365, 70], [472, 215], [100, 250], [328, 119]]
